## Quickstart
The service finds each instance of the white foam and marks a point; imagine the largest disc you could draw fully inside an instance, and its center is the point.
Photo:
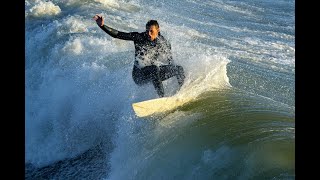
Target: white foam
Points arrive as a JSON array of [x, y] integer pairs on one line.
[[74, 47], [112, 3], [42, 8], [72, 24]]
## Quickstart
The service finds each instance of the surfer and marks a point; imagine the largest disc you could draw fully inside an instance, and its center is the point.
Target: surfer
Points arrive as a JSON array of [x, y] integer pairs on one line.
[[153, 57]]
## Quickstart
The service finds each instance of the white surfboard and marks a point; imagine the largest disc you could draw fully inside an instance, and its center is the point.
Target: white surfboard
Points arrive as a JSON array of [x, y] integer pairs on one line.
[[159, 105]]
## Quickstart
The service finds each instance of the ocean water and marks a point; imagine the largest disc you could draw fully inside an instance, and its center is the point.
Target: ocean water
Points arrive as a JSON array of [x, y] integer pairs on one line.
[[239, 60]]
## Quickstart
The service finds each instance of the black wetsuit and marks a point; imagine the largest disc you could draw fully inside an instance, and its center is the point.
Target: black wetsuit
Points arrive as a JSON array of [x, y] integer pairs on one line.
[[147, 66]]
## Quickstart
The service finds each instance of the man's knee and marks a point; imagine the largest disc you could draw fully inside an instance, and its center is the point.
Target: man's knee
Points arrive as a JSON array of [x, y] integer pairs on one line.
[[180, 70]]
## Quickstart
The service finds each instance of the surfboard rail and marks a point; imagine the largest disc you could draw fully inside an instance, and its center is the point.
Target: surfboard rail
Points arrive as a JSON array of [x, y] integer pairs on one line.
[[156, 106]]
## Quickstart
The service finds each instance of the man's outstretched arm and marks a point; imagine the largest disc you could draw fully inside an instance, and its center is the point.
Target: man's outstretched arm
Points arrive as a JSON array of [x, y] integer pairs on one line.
[[112, 32]]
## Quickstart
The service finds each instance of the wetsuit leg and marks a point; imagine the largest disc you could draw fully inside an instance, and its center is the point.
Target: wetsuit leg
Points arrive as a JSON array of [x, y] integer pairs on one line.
[[168, 71], [180, 75], [154, 73], [147, 74], [138, 76]]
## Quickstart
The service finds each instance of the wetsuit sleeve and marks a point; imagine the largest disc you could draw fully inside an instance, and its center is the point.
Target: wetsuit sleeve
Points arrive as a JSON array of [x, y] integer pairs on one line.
[[132, 36]]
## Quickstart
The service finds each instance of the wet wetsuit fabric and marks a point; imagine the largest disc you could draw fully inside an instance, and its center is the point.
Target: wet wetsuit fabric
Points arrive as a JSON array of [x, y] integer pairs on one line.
[[153, 59]]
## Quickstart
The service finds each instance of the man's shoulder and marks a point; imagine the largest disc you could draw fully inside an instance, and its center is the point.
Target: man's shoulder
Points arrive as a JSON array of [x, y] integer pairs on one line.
[[138, 35], [162, 39], [135, 33]]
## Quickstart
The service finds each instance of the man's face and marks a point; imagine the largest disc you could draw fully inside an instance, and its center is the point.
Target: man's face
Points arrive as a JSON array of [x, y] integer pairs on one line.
[[152, 32]]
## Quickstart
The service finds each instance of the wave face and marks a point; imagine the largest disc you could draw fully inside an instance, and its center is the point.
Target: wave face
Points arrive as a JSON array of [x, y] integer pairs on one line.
[[239, 60]]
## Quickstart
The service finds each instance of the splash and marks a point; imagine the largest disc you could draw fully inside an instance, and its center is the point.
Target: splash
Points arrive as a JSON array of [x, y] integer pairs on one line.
[[41, 9]]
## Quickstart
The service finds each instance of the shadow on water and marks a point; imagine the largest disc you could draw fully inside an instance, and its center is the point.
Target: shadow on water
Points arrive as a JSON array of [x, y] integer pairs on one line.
[[92, 164]]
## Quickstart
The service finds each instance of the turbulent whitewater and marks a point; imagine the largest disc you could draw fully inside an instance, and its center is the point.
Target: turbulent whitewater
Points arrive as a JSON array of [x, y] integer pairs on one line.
[[239, 60]]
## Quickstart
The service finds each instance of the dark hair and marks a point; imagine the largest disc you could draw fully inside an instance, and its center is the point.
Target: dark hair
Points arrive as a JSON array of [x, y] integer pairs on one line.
[[152, 23]]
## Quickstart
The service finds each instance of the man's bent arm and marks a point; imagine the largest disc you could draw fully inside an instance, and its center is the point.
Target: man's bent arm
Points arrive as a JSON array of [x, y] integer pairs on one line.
[[118, 34]]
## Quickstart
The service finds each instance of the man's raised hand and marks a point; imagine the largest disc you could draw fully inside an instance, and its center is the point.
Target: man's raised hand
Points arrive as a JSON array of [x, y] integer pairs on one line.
[[99, 19]]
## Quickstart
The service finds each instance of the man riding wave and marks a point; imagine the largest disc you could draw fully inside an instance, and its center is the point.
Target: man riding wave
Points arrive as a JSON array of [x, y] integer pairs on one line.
[[153, 57]]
